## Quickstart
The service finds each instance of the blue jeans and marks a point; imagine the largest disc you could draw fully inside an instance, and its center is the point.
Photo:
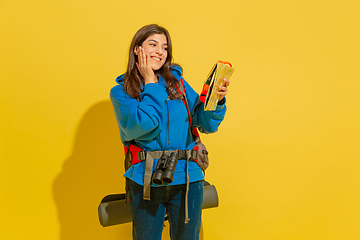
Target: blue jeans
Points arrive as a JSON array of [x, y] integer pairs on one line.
[[148, 216]]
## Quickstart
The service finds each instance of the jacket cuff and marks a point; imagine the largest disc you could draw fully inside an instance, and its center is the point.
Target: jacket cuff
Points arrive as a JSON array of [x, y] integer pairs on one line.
[[222, 102]]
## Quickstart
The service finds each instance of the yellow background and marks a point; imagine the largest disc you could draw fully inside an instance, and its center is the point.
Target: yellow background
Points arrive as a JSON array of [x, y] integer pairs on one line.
[[285, 161]]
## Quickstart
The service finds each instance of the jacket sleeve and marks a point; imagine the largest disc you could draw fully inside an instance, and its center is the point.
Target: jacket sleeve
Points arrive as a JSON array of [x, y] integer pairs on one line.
[[139, 120], [205, 121]]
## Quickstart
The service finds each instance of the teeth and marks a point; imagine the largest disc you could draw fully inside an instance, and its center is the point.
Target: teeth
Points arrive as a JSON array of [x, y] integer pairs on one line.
[[155, 58]]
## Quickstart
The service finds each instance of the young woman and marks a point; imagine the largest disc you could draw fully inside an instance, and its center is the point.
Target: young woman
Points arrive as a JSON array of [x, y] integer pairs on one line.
[[154, 124]]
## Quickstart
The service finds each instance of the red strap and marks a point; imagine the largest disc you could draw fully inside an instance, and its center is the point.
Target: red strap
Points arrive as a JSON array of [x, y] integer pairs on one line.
[[197, 149], [193, 129], [187, 107], [204, 92], [134, 150], [196, 133]]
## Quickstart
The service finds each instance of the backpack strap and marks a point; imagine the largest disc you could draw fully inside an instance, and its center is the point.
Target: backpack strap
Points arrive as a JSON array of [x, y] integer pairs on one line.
[[203, 160], [181, 88]]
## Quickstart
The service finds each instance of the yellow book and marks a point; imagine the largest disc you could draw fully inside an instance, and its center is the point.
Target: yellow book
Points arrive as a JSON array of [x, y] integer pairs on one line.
[[215, 78]]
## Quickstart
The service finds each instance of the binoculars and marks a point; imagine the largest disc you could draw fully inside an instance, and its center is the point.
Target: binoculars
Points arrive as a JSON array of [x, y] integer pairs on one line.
[[165, 169]]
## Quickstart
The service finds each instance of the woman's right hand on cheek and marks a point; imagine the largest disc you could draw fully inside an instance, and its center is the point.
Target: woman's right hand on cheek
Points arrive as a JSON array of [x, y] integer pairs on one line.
[[144, 66]]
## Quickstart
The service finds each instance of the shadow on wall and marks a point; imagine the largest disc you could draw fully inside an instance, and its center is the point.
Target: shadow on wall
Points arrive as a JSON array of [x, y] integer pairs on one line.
[[93, 171]]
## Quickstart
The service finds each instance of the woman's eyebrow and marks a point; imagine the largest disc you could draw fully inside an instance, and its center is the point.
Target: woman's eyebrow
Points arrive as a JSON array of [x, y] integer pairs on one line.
[[156, 41]]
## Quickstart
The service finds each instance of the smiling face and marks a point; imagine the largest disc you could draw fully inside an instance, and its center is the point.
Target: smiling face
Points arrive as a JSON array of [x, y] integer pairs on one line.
[[156, 47]]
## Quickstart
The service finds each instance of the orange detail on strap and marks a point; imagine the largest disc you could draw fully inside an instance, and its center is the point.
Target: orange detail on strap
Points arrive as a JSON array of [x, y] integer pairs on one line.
[[224, 62]]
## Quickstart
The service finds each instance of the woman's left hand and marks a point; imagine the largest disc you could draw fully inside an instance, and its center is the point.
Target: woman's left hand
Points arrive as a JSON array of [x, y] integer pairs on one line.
[[222, 90]]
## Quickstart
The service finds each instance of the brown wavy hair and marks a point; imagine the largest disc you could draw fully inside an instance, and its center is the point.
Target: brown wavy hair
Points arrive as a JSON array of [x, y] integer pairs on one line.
[[133, 78]]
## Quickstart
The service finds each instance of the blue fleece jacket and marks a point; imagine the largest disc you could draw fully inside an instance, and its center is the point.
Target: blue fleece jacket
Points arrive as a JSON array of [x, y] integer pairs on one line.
[[158, 123]]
